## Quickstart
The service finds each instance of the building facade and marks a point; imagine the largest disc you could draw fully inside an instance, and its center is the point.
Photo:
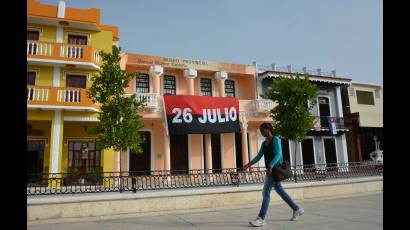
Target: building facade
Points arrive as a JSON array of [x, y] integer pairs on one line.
[[157, 76], [319, 147], [62, 55], [364, 105]]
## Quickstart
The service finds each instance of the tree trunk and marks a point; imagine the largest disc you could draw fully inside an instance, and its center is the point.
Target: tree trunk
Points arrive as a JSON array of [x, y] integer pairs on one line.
[[295, 174]]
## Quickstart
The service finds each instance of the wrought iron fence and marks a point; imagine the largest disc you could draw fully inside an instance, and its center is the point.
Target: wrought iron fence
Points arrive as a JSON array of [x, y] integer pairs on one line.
[[65, 183], [340, 122]]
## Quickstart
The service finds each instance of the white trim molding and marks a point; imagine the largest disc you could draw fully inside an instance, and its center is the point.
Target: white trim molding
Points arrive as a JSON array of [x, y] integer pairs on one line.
[[38, 61], [71, 108], [81, 118]]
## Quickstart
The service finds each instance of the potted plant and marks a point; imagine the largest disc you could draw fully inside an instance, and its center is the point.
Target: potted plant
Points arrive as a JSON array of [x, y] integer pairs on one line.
[[73, 176], [94, 175]]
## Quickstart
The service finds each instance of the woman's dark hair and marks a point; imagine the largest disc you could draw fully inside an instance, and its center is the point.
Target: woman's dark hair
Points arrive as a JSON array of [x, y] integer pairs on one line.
[[268, 126]]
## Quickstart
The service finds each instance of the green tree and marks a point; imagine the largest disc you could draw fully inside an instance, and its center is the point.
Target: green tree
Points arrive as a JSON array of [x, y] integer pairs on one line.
[[119, 121], [292, 115]]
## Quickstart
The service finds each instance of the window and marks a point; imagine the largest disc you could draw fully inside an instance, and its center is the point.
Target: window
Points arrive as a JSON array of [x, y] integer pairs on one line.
[[76, 51], [206, 87], [169, 85], [33, 35], [142, 83], [365, 97], [229, 88], [76, 81], [31, 78], [84, 155], [77, 39]]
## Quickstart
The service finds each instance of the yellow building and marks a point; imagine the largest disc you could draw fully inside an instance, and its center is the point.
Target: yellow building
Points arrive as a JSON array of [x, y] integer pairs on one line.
[[62, 55]]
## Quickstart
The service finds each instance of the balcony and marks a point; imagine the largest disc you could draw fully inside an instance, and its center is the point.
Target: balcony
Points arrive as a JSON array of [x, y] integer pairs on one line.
[[56, 97], [38, 51], [341, 123], [151, 99], [263, 105]]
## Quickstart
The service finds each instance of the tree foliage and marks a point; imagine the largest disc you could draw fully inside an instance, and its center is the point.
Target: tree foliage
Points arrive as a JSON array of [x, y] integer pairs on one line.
[[119, 121], [292, 115]]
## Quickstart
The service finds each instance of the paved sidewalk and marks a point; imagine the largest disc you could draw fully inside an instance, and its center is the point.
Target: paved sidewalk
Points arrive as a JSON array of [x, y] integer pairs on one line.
[[360, 212]]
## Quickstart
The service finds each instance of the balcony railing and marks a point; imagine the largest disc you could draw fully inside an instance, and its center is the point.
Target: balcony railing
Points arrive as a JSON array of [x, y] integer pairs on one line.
[[56, 96], [70, 183], [62, 52], [151, 99], [340, 123], [263, 105]]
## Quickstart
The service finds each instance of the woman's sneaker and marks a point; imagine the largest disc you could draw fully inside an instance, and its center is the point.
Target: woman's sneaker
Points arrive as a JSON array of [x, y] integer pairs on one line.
[[257, 222], [297, 213]]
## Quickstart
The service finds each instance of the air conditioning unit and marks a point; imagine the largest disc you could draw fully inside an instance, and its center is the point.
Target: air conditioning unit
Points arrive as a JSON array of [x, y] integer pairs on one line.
[[221, 75], [190, 73], [157, 70]]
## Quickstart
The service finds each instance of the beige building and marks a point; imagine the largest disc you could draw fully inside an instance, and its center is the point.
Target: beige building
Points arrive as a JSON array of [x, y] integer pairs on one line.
[[367, 100], [365, 105]]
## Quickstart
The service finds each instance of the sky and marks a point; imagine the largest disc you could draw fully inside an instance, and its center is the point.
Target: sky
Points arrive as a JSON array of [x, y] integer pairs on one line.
[[346, 36]]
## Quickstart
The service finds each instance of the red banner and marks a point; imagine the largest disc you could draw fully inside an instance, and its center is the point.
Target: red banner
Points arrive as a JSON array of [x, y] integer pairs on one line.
[[187, 114]]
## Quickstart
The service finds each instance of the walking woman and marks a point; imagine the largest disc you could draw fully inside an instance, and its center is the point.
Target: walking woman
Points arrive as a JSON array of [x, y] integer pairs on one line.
[[272, 151]]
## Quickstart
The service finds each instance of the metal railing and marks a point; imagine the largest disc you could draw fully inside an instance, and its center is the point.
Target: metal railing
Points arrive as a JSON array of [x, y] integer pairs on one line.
[[340, 122], [64, 183], [151, 99], [263, 68], [263, 105]]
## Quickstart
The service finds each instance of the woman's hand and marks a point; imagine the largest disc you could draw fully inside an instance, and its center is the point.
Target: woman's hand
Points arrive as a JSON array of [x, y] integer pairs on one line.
[[246, 166], [268, 171]]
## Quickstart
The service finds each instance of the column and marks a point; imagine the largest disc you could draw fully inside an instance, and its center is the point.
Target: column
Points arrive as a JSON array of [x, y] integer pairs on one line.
[[56, 76], [59, 34], [220, 77], [339, 102], [208, 152], [167, 151], [244, 130], [357, 138], [340, 114], [156, 71], [190, 75], [56, 142]]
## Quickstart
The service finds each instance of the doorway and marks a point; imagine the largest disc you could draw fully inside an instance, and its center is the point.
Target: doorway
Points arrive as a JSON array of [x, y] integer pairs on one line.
[[140, 163], [35, 160], [238, 150], [216, 152], [330, 151], [324, 111], [308, 153], [179, 154], [285, 150]]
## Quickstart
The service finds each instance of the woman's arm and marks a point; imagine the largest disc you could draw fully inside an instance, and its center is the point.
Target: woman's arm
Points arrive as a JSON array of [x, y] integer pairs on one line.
[[258, 156], [277, 146]]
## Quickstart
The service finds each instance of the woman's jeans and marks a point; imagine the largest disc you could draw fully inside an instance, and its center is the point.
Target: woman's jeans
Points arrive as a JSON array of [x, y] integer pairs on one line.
[[267, 187]]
